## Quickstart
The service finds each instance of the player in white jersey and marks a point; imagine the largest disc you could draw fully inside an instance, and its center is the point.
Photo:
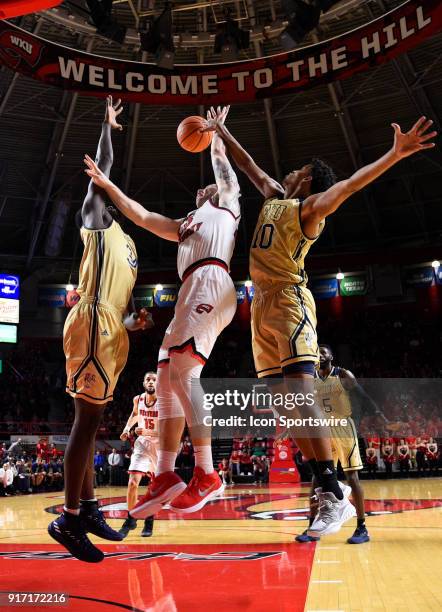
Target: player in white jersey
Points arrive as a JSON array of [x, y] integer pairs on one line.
[[206, 304], [145, 451]]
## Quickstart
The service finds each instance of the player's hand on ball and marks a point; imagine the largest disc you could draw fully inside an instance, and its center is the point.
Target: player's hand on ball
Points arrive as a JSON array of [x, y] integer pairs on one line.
[[415, 140], [95, 173], [112, 112], [124, 436]]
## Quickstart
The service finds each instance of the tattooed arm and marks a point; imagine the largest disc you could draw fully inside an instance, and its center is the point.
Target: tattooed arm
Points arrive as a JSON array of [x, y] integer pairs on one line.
[[227, 183]]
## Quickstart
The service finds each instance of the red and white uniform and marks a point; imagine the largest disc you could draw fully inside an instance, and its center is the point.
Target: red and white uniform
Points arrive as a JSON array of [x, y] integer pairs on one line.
[[207, 298], [145, 455]]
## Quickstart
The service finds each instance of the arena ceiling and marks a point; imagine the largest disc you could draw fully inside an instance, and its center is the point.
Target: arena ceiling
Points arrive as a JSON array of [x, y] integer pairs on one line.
[[45, 132]]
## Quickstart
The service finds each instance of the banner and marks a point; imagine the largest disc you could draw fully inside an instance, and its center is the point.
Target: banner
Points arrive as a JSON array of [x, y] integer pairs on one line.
[[366, 47], [324, 288], [250, 293], [241, 293], [52, 296], [419, 277], [353, 285], [9, 287], [166, 298], [143, 297]]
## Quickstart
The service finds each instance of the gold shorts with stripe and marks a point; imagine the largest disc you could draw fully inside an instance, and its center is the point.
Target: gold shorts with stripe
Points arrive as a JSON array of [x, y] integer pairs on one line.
[[345, 447], [283, 329], [96, 347]]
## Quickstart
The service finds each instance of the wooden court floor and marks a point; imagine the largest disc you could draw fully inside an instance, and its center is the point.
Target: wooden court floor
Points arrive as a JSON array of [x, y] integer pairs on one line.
[[238, 554]]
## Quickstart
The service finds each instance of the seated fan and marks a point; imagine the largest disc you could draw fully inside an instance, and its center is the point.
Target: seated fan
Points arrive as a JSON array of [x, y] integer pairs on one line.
[[15, 8]]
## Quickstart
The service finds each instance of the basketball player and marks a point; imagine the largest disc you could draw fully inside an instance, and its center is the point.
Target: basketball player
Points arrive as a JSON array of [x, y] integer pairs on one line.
[[96, 347], [283, 310], [206, 304], [337, 392], [145, 453]]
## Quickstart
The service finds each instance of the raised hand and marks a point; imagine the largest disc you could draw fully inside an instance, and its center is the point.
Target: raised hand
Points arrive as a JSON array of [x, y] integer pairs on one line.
[[216, 117], [98, 177], [415, 140], [112, 112]]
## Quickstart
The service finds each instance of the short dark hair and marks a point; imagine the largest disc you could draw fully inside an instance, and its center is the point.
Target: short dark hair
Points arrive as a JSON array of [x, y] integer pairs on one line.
[[323, 176], [328, 347]]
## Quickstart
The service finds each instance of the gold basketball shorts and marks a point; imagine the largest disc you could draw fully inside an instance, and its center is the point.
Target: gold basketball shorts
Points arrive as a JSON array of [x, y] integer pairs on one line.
[[96, 347], [283, 329], [345, 447]]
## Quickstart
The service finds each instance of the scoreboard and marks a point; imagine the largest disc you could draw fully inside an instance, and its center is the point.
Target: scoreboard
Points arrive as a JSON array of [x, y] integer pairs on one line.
[[9, 307]]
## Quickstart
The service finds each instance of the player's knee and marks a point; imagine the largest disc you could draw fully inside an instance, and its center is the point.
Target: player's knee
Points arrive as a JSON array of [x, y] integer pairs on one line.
[[352, 479], [133, 484]]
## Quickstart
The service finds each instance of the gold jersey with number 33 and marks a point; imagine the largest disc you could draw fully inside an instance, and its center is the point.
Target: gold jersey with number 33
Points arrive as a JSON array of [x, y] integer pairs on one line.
[[279, 246]]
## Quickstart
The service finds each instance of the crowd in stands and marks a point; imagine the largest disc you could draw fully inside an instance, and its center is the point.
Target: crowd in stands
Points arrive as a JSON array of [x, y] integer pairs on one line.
[[419, 453]]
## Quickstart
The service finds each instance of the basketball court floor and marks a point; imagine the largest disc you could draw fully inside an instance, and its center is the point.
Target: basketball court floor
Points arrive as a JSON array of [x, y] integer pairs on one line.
[[238, 553]]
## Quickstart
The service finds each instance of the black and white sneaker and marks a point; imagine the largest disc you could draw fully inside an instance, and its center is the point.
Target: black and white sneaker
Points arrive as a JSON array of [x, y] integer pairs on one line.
[[69, 531], [148, 527], [129, 524], [95, 522]]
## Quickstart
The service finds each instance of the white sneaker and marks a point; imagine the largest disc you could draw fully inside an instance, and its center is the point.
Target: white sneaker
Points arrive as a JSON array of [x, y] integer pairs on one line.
[[332, 514]]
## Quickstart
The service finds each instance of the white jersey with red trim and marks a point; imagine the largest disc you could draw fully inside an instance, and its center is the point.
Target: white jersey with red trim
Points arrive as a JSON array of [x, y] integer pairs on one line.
[[207, 233], [148, 415]]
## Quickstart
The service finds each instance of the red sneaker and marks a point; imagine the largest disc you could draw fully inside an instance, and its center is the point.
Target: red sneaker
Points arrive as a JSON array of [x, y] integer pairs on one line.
[[201, 489], [161, 490]]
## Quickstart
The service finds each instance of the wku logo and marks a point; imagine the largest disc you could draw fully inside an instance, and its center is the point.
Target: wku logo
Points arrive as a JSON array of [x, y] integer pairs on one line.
[[17, 47], [185, 231], [203, 308]]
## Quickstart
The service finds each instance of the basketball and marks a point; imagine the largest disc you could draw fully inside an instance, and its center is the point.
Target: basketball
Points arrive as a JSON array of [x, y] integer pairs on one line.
[[190, 136]]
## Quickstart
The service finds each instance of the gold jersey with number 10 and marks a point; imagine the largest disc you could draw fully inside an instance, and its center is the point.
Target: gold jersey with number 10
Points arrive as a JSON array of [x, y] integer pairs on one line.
[[279, 245], [283, 309]]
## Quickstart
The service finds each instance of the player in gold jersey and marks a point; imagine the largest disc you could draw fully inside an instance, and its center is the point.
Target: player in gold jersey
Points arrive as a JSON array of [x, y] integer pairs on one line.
[[96, 348], [338, 394], [283, 312]]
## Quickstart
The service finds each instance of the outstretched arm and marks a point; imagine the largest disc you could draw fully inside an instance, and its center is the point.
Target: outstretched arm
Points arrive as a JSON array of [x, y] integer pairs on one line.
[[318, 206], [225, 177], [162, 226], [262, 181], [93, 213]]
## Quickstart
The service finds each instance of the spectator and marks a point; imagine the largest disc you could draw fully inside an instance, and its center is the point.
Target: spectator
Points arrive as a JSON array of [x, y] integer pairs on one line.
[[260, 470], [372, 459], [246, 463], [421, 456], [22, 482], [6, 479], [225, 472], [432, 457], [114, 461], [388, 457], [403, 452], [234, 462], [186, 454], [100, 468], [38, 474]]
